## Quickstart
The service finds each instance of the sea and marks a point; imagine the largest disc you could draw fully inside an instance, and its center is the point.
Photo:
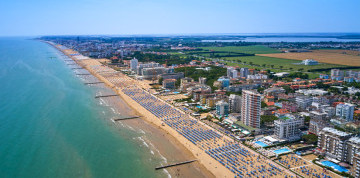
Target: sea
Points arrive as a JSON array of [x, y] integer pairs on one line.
[[52, 126]]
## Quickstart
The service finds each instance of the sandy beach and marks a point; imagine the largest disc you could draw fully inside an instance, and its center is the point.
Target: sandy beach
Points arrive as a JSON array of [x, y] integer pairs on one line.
[[162, 141], [215, 152]]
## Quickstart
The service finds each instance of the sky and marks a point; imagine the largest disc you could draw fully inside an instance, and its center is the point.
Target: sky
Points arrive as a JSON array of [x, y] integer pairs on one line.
[[126, 17]]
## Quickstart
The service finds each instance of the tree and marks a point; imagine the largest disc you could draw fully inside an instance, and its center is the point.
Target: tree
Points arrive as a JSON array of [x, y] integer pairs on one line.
[[310, 139], [272, 66], [281, 67], [263, 104], [287, 89], [260, 89], [160, 80], [307, 120], [267, 118], [177, 83]]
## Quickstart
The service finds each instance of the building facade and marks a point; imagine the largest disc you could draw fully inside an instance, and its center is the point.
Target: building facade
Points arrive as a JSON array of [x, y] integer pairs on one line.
[[235, 103], [133, 64], [345, 111], [288, 127], [244, 72], [251, 108], [333, 143], [222, 108], [169, 83]]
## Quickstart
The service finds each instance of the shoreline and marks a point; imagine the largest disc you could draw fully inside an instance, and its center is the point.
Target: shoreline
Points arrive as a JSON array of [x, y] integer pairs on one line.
[[198, 150], [178, 151]]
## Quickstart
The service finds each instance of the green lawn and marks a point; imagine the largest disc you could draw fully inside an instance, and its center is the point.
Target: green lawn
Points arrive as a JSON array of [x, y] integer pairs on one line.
[[254, 49]]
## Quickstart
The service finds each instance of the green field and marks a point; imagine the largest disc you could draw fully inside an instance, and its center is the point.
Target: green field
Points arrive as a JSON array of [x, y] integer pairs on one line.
[[258, 62], [255, 49], [276, 63]]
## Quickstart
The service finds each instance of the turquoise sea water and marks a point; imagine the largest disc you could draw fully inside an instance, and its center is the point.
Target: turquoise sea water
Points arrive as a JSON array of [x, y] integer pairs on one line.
[[52, 126]]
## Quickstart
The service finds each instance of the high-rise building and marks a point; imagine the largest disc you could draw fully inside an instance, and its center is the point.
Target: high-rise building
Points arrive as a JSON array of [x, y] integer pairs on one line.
[[333, 142], [355, 171], [345, 111], [351, 148], [232, 72], [288, 127], [251, 108], [133, 64], [235, 103], [244, 72], [222, 108], [340, 145]]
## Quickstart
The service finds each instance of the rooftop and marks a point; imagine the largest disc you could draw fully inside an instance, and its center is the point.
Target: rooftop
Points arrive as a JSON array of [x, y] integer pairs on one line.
[[355, 140], [336, 132]]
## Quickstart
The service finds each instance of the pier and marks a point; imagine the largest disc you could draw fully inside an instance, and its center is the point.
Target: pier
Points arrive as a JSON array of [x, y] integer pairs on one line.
[[126, 118], [82, 74], [71, 64], [93, 83], [176, 164], [77, 68], [103, 96]]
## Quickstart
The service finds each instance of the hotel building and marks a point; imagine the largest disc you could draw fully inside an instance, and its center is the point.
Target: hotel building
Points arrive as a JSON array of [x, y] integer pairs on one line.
[[251, 108], [333, 143], [288, 127]]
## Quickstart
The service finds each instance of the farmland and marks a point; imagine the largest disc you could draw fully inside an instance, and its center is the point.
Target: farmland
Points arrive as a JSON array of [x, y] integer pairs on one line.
[[277, 63], [255, 49], [340, 57]]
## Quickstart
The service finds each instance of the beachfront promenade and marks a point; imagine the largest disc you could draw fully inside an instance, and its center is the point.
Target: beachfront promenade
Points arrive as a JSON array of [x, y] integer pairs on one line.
[[240, 160]]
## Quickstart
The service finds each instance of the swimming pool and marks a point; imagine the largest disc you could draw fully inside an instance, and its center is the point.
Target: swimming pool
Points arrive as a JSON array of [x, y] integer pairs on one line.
[[262, 144], [200, 107], [281, 151], [334, 166]]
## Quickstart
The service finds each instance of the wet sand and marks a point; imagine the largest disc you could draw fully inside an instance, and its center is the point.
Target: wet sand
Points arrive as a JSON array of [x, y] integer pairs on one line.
[[166, 144]]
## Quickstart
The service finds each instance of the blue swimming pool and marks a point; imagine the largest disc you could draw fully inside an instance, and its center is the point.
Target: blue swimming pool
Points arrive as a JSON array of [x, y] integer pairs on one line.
[[200, 107], [262, 144], [334, 166], [281, 151], [176, 92]]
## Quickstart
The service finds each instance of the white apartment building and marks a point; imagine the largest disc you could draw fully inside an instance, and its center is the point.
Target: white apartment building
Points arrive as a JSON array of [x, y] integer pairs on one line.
[[244, 72], [232, 72], [133, 64], [303, 101], [345, 111], [333, 143], [355, 171], [351, 148], [288, 127], [235, 103]]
